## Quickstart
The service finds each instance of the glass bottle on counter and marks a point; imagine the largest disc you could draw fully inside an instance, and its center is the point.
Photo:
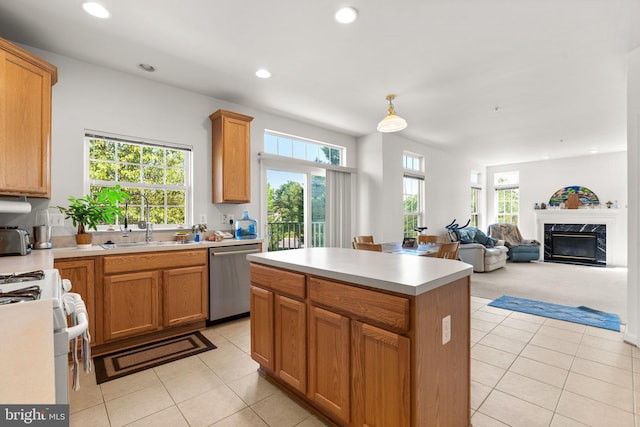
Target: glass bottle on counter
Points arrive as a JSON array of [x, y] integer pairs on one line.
[[246, 228]]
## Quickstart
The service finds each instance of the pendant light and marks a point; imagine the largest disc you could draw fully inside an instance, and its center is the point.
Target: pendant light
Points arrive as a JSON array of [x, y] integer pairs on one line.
[[391, 123]]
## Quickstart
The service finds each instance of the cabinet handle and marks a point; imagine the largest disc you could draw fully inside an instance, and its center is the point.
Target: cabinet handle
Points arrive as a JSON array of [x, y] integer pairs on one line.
[[248, 251]]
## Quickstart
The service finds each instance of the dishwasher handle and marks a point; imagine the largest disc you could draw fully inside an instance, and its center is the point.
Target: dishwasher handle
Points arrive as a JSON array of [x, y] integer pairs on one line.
[[248, 251]]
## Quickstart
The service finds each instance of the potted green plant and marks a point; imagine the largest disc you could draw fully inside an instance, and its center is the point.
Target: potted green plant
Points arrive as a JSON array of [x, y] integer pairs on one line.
[[198, 231], [89, 211]]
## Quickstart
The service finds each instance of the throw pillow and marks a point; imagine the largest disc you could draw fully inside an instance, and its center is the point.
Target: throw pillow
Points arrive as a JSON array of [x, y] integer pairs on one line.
[[485, 240], [467, 235]]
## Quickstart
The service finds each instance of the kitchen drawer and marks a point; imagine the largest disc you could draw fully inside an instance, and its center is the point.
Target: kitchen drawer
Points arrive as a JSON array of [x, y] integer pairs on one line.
[[373, 306], [154, 261], [281, 281]]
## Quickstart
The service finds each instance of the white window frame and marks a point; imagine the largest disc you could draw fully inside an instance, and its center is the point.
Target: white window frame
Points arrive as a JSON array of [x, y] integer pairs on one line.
[[416, 173], [307, 167], [476, 186], [476, 214], [512, 183], [188, 173], [307, 142]]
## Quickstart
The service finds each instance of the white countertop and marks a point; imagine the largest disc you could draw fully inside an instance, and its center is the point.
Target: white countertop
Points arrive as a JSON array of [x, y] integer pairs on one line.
[[406, 274], [96, 250], [43, 259]]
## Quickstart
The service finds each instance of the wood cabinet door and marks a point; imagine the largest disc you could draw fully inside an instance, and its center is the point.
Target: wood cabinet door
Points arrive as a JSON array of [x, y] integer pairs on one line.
[[25, 127], [329, 367], [381, 381], [291, 341], [131, 304], [236, 156], [262, 324], [184, 295], [81, 273], [231, 154]]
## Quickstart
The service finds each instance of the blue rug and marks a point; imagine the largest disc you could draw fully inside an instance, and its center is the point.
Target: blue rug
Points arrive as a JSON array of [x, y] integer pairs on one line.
[[583, 315]]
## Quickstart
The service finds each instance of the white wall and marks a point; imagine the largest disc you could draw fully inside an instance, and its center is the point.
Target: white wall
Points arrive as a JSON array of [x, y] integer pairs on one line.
[[370, 219], [604, 174], [92, 97], [632, 333], [380, 173]]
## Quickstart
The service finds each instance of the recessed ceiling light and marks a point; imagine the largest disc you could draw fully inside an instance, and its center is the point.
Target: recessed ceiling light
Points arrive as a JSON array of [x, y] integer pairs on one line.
[[593, 151], [96, 9], [346, 15], [263, 74], [147, 67]]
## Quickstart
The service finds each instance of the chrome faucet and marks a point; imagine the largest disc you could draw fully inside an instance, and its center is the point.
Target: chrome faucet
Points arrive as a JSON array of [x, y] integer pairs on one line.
[[125, 231], [146, 224]]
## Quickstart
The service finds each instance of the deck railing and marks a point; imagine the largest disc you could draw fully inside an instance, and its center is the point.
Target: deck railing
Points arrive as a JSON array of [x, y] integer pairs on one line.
[[290, 235]]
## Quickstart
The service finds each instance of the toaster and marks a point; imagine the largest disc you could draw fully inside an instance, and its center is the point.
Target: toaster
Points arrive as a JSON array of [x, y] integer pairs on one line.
[[14, 241]]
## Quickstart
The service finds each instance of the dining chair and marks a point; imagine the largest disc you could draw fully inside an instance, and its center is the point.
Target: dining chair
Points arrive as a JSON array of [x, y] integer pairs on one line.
[[377, 247], [363, 239], [449, 250], [429, 239]]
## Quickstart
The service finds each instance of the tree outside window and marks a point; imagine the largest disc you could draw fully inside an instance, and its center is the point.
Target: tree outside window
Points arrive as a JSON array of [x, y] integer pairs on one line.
[[159, 173], [412, 194], [474, 208], [411, 215], [507, 197]]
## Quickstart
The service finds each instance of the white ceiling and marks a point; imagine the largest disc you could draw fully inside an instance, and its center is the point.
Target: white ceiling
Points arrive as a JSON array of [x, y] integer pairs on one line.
[[555, 70]]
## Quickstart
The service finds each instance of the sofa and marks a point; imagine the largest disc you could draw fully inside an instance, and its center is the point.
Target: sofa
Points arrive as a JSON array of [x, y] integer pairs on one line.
[[520, 250], [481, 251]]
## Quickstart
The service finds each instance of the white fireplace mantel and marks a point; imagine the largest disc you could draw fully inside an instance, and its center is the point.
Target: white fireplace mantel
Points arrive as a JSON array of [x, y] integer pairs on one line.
[[608, 217]]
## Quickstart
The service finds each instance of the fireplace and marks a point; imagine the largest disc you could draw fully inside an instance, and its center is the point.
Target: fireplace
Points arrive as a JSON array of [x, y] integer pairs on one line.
[[583, 244]]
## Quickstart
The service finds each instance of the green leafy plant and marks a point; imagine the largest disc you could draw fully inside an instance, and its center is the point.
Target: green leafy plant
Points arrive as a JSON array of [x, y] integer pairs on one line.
[[199, 228], [89, 211]]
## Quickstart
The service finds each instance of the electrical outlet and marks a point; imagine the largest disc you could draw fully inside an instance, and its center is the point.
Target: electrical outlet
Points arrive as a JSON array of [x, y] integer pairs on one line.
[[446, 329], [224, 219], [231, 219], [203, 219], [56, 220]]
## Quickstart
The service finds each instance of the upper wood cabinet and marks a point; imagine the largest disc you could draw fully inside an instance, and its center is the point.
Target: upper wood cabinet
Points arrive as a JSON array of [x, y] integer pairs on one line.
[[25, 122], [231, 169]]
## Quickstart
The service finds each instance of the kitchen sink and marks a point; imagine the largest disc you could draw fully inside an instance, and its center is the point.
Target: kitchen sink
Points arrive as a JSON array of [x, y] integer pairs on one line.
[[142, 244]]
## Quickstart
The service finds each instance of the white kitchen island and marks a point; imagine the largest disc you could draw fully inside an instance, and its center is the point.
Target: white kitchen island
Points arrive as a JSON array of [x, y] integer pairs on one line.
[[365, 338]]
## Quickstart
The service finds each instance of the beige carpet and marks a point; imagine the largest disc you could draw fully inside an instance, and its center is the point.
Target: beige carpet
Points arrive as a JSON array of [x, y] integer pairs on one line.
[[603, 289]]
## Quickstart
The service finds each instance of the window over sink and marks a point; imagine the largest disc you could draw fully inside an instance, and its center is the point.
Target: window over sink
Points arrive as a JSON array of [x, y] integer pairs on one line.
[[159, 171]]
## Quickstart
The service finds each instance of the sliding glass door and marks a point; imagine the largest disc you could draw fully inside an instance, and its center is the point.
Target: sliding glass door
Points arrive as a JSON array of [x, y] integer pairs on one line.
[[295, 207]]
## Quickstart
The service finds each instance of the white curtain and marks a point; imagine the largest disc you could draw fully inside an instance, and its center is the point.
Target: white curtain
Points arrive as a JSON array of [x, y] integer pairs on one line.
[[339, 209]]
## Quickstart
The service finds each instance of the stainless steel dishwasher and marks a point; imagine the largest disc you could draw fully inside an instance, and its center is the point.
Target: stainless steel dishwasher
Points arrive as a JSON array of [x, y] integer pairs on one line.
[[229, 281]]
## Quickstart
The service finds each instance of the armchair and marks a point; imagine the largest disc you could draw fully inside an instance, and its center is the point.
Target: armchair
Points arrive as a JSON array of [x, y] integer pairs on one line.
[[520, 250], [482, 252], [483, 259]]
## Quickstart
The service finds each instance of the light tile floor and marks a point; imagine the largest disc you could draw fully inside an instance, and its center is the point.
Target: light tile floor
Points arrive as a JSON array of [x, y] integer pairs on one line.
[[525, 371]]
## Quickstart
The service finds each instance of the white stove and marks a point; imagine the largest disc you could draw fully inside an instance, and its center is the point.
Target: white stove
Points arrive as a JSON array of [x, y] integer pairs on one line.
[[22, 287]]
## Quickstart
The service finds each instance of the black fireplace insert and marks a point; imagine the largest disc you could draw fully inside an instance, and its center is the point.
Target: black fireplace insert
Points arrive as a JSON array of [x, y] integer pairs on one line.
[[583, 244]]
